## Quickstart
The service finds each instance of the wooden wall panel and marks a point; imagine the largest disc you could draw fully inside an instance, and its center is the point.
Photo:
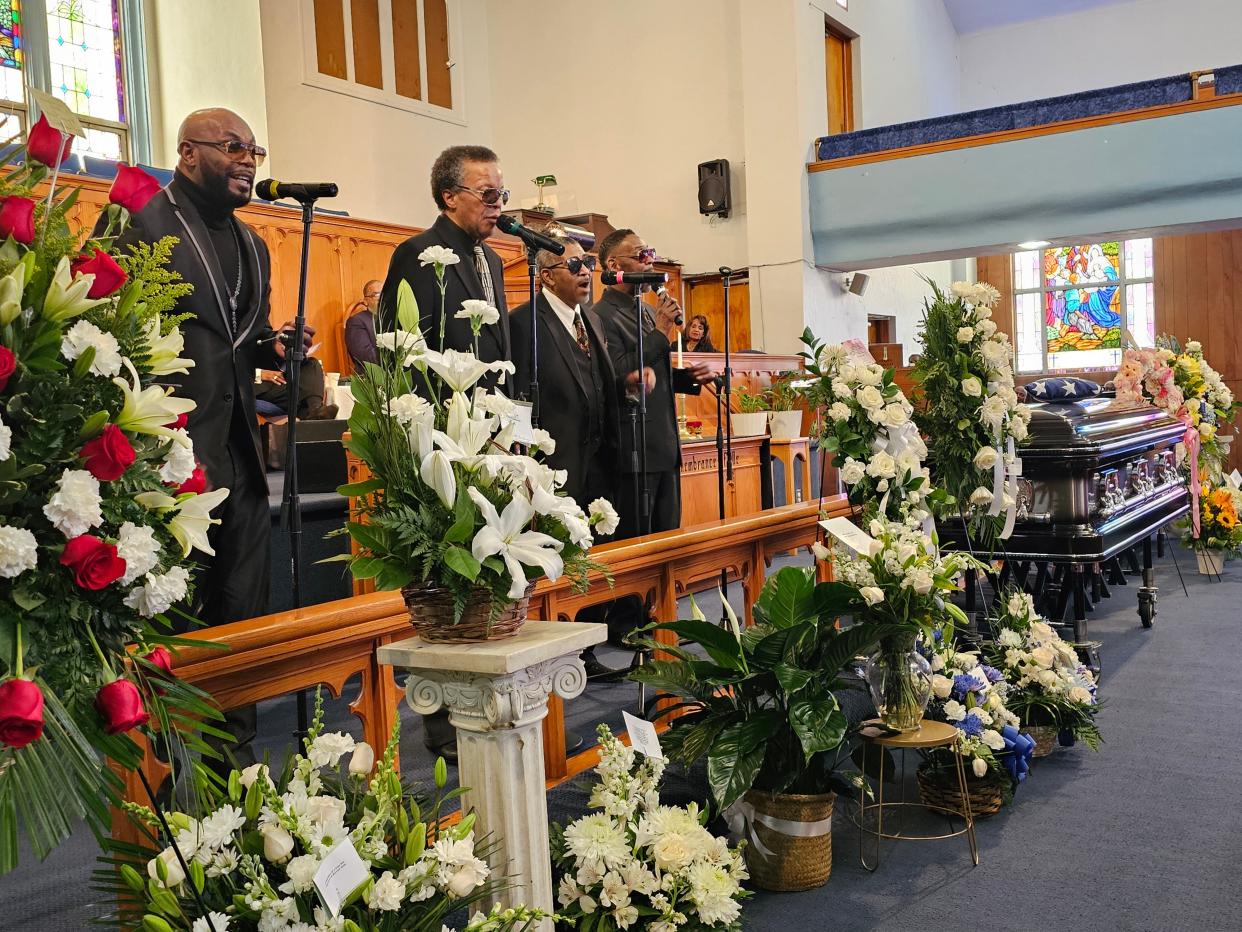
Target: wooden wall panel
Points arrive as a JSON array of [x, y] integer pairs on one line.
[[368, 67], [705, 296], [330, 38], [406, 48], [439, 74]]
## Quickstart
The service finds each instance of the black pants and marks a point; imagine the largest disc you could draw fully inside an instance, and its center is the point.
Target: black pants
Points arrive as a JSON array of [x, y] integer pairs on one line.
[[310, 389], [664, 495]]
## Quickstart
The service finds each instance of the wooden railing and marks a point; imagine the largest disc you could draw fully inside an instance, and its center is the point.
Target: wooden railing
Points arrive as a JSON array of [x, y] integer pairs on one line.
[[328, 644]]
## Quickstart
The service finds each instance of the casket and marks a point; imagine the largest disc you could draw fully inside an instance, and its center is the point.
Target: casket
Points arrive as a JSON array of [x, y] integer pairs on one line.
[[1098, 476]]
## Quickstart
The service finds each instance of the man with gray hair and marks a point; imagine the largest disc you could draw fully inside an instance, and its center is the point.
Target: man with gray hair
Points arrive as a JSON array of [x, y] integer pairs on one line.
[[467, 186]]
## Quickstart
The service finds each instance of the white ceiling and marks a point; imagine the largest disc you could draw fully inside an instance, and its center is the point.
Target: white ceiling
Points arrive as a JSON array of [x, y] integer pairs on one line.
[[977, 15]]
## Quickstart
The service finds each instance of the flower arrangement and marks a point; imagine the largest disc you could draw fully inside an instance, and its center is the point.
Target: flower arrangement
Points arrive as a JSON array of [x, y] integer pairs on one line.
[[1048, 684], [448, 505], [1219, 528], [638, 864], [905, 585], [968, 408], [101, 501], [252, 862], [865, 423]]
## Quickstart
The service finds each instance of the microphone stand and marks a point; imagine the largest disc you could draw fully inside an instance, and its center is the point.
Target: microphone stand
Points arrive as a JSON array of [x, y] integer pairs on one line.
[[532, 254], [644, 493], [725, 427], [291, 501]]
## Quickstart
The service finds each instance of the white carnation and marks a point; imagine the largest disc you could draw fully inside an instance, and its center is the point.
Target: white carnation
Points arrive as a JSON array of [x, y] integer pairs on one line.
[[993, 739], [83, 336], [327, 749], [301, 873], [965, 334], [387, 894], [840, 411], [219, 922], [159, 593], [604, 515], [954, 711], [137, 546], [18, 551], [478, 310], [438, 255], [179, 464], [74, 507]]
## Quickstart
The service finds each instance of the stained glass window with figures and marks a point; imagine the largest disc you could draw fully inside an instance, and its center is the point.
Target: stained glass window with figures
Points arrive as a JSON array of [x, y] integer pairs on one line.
[[1075, 305]]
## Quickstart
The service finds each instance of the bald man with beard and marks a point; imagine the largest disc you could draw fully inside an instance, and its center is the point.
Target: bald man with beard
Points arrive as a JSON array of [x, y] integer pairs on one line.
[[228, 336]]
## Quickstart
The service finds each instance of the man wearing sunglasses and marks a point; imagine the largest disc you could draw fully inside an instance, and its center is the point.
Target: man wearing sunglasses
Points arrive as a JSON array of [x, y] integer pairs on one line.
[[468, 188], [228, 336]]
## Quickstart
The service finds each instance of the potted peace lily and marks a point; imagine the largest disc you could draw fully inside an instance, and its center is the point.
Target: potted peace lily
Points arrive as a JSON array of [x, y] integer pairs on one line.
[[449, 515], [751, 417], [761, 710], [785, 419]]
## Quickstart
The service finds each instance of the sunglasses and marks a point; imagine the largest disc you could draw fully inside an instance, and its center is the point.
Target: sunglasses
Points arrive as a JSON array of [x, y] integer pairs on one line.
[[234, 149], [576, 264], [488, 196], [643, 255]]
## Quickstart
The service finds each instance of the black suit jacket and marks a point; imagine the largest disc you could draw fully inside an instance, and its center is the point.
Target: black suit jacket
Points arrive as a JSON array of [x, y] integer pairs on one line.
[[462, 283], [616, 310], [221, 381], [562, 395]]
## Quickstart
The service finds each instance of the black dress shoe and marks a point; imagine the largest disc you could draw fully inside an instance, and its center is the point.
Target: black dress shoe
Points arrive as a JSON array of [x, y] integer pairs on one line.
[[447, 751], [321, 412], [573, 741], [599, 673]]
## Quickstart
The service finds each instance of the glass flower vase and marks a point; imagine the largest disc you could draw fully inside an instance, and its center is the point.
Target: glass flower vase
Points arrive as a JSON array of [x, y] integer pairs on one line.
[[899, 678]]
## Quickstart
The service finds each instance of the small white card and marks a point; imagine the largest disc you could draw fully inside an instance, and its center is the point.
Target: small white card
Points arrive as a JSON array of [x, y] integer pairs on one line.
[[58, 114], [643, 737], [523, 427], [1236, 478], [854, 537], [341, 873]]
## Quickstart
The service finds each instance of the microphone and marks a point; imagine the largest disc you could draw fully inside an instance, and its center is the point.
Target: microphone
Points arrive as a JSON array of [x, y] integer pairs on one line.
[[271, 190], [510, 225], [633, 278], [678, 318]]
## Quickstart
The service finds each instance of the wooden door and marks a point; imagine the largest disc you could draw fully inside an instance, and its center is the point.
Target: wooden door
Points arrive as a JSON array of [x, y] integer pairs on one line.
[[839, 65]]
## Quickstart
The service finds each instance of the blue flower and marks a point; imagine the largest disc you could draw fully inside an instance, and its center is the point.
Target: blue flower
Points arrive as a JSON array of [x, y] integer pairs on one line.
[[937, 635], [971, 726], [994, 675], [964, 683]]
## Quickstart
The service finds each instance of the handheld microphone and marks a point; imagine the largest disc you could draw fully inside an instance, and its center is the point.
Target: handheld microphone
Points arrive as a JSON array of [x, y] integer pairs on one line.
[[510, 225], [678, 318], [271, 190], [633, 278]]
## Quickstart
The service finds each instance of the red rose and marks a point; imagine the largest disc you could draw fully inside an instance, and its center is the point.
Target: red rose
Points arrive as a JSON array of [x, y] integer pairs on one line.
[[120, 705], [132, 188], [109, 277], [197, 483], [94, 562], [8, 365], [180, 422], [108, 455], [47, 145], [162, 658], [21, 713], [17, 219]]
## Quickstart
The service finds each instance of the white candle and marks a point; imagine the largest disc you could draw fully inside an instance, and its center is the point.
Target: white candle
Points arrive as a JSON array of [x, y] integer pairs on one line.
[[679, 348]]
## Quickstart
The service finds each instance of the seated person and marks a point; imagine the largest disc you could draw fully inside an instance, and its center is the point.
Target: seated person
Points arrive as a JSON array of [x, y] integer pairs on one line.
[[360, 326], [271, 396], [696, 337]]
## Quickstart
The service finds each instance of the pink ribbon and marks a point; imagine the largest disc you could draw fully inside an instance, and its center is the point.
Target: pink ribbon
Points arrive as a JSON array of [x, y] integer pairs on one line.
[[1192, 442]]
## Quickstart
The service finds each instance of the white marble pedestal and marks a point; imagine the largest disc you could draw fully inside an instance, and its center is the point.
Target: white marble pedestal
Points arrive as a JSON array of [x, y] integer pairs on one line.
[[496, 693]]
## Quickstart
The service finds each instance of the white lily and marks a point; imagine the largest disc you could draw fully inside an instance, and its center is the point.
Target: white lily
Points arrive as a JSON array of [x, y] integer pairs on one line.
[[12, 286], [468, 432], [437, 471], [461, 370], [505, 535], [66, 294], [164, 355], [191, 518], [149, 410]]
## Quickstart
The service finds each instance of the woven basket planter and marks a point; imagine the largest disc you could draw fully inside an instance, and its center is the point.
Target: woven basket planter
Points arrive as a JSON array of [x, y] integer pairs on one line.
[[431, 614], [939, 788], [796, 862], [1045, 738]]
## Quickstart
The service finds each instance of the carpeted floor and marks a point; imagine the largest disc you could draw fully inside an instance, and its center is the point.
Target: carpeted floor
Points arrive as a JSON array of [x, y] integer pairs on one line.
[[1143, 836]]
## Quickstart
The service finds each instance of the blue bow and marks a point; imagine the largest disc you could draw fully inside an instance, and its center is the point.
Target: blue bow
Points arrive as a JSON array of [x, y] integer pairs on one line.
[[1017, 753]]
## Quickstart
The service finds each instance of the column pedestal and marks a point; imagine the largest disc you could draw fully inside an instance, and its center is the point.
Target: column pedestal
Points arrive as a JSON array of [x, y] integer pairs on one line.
[[496, 694]]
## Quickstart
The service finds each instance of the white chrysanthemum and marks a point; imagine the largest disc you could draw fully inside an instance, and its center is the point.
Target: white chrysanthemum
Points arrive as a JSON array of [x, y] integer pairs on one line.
[[6, 441], [995, 353], [604, 515], [713, 890], [179, 460], [387, 894], [160, 592], [596, 839], [327, 749], [18, 551], [74, 506], [83, 336], [218, 828], [137, 546], [981, 496], [219, 922], [666, 820], [832, 355]]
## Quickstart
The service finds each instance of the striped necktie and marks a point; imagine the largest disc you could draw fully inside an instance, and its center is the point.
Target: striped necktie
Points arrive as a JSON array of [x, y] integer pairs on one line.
[[485, 275]]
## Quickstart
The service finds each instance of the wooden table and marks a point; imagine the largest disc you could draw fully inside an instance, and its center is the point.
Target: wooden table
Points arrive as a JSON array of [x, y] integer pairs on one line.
[[795, 456], [700, 499]]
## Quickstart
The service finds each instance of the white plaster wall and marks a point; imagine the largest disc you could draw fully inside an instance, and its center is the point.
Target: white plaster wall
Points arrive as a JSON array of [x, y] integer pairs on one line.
[[622, 101], [1115, 44]]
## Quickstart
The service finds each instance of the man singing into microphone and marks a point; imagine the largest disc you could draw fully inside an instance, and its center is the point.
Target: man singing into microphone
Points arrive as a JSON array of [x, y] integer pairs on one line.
[[467, 185], [625, 252]]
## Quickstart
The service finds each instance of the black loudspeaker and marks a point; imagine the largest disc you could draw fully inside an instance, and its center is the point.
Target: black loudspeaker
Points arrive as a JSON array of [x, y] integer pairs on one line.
[[714, 195]]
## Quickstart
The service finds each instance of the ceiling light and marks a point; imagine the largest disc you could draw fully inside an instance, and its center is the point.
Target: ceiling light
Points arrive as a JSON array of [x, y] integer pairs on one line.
[[1034, 244]]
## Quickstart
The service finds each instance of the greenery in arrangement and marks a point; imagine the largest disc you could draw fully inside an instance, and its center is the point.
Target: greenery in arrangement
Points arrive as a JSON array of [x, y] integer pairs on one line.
[[761, 708], [637, 864], [1048, 684], [101, 504], [250, 860], [1219, 528], [967, 406], [447, 504], [750, 402], [783, 395], [865, 424]]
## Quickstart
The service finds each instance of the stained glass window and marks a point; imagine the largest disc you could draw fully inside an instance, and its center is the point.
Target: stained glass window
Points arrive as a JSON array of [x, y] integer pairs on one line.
[[11, 33], [1074, 305], [85, 51]]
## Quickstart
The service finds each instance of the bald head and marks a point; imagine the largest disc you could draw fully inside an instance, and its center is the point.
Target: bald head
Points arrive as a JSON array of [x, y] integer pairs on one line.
[[201, 140]]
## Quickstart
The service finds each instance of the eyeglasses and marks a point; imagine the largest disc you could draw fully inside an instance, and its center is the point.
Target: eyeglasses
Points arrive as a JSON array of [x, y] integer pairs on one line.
[[234, 149], [643, 255], [371, 294], [488, 196], [575, 265]]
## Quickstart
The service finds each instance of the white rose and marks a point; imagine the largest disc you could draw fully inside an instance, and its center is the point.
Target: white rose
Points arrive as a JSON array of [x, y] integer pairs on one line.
[[252, 773], [972, 386], [173, 867], [1043, 656], [872, 595], [6, 441], [852, 472], [980, 767], [870, 398], [362, 760], [1043, 631], [942, 686], [937, 662], [840, 411], [965, 334], [986, 327], [986, 458], [895, 415], [277, 843], [920, 580], [467, 878], [18, 551], [882, 466], [324, 810], [1081, 695]]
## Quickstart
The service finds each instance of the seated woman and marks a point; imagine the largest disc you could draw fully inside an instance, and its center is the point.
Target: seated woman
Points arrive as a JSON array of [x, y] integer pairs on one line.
[[695, 338], [271, 396]]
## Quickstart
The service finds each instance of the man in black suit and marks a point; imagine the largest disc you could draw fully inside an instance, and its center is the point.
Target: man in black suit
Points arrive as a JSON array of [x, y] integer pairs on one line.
[[467, 185], [228, 336], [625, 251]]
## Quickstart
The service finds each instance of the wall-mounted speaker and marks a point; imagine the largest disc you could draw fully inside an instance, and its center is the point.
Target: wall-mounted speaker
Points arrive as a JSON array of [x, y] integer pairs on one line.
[[857, 283], [714, 194]]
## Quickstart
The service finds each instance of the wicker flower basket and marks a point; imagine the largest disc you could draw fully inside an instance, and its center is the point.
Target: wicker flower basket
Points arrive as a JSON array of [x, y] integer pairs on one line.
[[939, 788], [796, 862], [1045, 737], [431, 614]]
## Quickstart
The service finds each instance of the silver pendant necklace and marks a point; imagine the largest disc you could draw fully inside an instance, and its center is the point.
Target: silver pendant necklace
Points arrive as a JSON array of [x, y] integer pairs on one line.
[[236, 294]]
